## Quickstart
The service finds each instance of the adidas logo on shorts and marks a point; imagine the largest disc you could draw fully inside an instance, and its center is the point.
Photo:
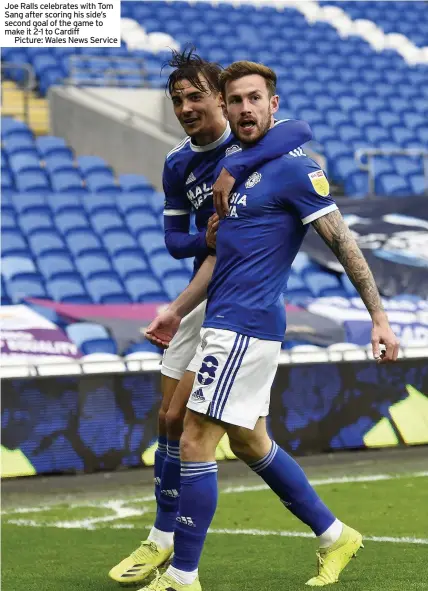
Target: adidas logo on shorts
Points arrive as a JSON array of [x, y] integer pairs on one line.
[[198, 396]]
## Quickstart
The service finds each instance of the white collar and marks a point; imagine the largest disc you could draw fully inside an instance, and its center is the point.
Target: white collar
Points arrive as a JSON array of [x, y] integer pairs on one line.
[[224, 136]]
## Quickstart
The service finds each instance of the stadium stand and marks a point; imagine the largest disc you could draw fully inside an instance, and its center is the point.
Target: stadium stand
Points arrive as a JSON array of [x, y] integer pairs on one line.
[[75, 232]]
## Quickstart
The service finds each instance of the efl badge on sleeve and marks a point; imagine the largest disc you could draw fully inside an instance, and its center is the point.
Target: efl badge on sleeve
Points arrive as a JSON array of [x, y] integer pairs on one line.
[[319, 183]]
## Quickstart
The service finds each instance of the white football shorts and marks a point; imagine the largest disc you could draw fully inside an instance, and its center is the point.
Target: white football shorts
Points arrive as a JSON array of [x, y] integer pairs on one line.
[[178, 357], [234, 376]]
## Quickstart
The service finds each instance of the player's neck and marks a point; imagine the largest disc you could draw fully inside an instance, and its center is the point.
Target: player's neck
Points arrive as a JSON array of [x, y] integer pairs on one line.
[[210, 135]]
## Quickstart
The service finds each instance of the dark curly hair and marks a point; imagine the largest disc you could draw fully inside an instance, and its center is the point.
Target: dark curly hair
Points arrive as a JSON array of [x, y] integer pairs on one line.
[[189, 66]]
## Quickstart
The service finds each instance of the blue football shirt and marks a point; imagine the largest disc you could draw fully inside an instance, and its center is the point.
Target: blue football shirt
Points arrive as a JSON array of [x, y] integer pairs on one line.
[[258, 241], [190, 172]]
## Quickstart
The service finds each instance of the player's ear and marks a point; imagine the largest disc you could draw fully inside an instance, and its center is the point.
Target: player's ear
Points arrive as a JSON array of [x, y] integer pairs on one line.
[[274, 103], [224, 109]]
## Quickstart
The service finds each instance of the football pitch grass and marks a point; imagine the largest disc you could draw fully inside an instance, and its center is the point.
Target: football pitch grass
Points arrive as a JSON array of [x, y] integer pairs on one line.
[[69, 541]]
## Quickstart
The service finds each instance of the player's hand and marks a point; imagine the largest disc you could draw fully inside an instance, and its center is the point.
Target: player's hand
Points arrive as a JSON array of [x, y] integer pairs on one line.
[[163, 328], [212, 231], [382, 334], [221, 192]]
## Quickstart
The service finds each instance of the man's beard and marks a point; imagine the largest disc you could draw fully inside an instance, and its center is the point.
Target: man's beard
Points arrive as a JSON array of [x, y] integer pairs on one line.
[[262, 128]]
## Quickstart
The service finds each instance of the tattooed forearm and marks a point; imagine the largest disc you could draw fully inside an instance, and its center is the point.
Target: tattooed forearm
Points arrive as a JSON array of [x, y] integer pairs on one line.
[[336, 234]]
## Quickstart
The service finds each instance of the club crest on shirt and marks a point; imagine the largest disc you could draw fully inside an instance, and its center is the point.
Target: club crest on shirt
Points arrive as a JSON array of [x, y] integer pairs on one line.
[[232, 150], [252, 180], [319, 183]]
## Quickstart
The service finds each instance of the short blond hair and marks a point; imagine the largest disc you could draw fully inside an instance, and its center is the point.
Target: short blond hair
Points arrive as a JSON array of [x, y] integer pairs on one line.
[[243, 68]]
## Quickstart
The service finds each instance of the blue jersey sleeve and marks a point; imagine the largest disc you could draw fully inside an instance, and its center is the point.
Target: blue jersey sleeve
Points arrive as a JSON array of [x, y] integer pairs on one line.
[[306, 190], [285, 136], [178, 240]]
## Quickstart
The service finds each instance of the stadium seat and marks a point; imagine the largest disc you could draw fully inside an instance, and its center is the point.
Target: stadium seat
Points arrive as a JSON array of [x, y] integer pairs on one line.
[[32, 181], [71, 221], [7, 181], [174, 284], [127, 265], [20, 289], [145, 288], [47, 242], [8, 221], [100, 203], [104, 222], [162, 264], [55, 163], [106, 346], [296, 288], [31, 223], [118, 242], [134, 202], [152, 242], [17, 268], [106, 291], [91, 338], [64, 203], [348, 286], [142, 221], [100, 182], [49, 146], [134, 182], [323, 284], [12, 127], [92, 164], [418, 184], [67, 182], [31, 203], [67, 291], [56, 266], [82, 242], [392, 184], [18, 145], [92, 265], [24, 163]]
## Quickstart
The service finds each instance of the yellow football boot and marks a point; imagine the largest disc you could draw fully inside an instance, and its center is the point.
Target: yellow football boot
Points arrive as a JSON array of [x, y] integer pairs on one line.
[[332, 560], [141, 564], [166, 583]]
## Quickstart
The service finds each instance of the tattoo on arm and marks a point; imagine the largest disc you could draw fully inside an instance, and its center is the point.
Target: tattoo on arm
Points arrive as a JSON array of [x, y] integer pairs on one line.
[[334, 231]]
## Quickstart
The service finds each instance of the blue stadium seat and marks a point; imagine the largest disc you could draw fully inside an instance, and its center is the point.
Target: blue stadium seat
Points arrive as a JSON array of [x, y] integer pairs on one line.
[[100, 203], [30, 203], [92, 164], [24, 163], [49, 146], [101, 182], [47, 242], [8, 221], [344, 166], [145, 288], [127, 265], [104, 222], [20, 289], [323, 284], [67, 291], [55, 163], [134, 182], [7, 181], [357, 184], [13, 244], [405, 165], [64, 203], [56, 266], [157, 203], [99, 346], [392, 184], [32, 223], [375, 133], [401, 135], [162, 264], [349, 133], [142, 221], [131, 202], [17, 268], [19, 145], [79, 332], [152, 242], [82, 242], [382, 164], [296, 288], [32, 181], [106, 290], [348, 286], [67, 222], [422, 133], [175, 284], [418, 184], [13, 127], [67, 182], [119, 242], [93, 265]]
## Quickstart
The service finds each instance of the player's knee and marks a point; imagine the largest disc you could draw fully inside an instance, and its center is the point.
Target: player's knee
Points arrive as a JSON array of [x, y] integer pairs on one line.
[[251, 449], [174, 423], [190, 448]]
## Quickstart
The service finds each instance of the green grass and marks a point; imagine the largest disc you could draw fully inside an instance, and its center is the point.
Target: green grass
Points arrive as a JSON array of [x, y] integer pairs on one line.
[[44, 557]]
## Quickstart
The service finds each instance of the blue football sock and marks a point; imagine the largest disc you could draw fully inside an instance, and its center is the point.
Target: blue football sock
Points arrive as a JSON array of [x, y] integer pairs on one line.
[[169, 489], [160, 456], [287, 479], [198, 502]]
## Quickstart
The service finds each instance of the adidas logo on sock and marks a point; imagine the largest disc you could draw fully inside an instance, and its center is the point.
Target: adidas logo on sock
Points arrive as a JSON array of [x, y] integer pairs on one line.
[[190, 179], [157, 480], [186, 520], [170, 493]]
